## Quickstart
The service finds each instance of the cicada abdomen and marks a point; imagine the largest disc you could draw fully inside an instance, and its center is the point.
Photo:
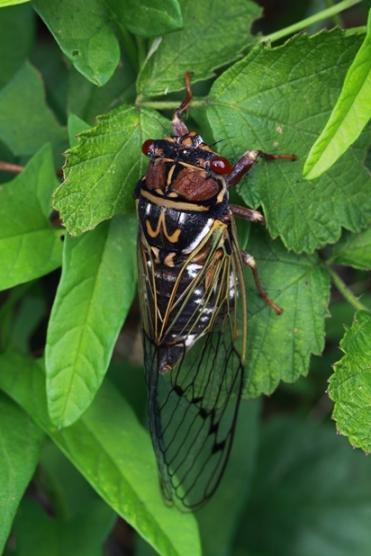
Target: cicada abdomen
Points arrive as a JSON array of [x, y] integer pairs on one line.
[[193, 305]]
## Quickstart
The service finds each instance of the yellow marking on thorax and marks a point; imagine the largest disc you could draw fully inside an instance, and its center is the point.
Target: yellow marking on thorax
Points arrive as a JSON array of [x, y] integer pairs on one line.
[[170, 175], [167, 203], [161, 225]]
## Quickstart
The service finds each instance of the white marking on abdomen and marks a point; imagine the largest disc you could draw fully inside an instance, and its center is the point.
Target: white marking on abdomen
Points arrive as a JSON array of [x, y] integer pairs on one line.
[[193, 269], [205, 230]]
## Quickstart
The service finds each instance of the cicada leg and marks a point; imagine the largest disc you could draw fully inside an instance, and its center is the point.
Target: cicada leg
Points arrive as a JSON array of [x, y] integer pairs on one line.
[[247, 213], [249, 261], [247, 161], [179, 127]]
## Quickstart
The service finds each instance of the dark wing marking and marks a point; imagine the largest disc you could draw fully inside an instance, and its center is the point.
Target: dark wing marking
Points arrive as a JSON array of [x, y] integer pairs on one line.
[[193, 408]]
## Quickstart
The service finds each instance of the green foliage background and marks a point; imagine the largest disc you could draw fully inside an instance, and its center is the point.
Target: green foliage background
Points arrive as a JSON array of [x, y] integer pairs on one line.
[[93, 80]]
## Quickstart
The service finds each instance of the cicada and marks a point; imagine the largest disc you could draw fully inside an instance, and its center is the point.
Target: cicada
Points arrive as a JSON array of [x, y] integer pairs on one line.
[[193, 305]]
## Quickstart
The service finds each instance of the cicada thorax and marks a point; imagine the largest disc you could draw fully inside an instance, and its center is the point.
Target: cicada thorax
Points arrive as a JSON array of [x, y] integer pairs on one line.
[[185, 233]]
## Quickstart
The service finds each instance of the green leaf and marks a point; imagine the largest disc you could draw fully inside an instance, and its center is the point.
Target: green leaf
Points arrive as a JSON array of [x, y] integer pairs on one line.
[[273, 100], [38, 534], [30, 247], [349, 116], [94, 295], [311, 495], [75, 126], [15, 22], [354, 250], [84, 34], [4, 3], [147, 18], [217, 526], [279, 347], [26, 122], [20, 444], [350, 385], [87, 100], [214, 34], [102, 170], [113, 452], [51, 63]]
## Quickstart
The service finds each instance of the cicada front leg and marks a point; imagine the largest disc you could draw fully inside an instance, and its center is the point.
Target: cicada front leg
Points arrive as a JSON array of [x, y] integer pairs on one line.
[[178, 125], [248, 160]]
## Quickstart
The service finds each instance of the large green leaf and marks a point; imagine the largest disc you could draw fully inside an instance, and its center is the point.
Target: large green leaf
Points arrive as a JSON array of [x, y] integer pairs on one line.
[[20, 444], [93, 298], [147, 18], [311, 495], [354, 250], [350, 385], [114, 453], [26, 122], [29, 246], [101, 171], [84, 34], [213, 35], [279, 347], [273, 100], [351, 113], [17, 22]]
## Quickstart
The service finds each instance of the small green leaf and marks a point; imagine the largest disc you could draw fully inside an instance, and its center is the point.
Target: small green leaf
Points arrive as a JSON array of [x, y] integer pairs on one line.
[[20, 444], [30, 246], [84, 34], [273, 100], [279, 347], [349, 116], [112, 450], [214, 34], [311, 495], [147, 18], [354, 250], [102, 170], [350, 385], [15, 22], [26, 122], [94, 295]]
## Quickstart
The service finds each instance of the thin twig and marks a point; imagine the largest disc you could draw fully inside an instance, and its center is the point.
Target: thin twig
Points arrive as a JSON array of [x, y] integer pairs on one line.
[[346, 292], [9, 167], [304, 23]]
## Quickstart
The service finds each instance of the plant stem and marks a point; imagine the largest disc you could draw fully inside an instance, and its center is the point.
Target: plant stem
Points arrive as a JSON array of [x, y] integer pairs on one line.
[[336, 17], [9, 167], [346, 292], [170, 104], [320, 16]]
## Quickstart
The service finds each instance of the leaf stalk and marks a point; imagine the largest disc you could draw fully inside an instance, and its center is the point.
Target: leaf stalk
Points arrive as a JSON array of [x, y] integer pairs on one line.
[[304, 23], [346, 292]]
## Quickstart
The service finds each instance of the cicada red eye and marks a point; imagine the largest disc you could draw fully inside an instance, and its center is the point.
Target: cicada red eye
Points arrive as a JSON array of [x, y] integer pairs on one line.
[[220, 165], [147, 147]]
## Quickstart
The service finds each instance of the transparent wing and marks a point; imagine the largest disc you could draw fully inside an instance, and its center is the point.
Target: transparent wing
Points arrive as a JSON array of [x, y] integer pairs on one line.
[[193, 407]]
